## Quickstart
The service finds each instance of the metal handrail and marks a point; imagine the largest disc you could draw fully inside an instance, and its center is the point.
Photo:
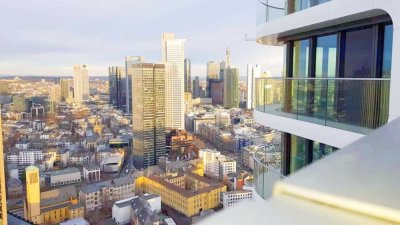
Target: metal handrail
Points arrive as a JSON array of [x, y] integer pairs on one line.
[[270, 6]]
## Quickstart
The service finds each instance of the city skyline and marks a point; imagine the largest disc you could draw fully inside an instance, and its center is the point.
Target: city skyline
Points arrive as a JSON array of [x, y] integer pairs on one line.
[[86, 39]]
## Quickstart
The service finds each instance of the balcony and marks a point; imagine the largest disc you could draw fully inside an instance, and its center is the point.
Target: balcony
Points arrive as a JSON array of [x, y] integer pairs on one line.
[[265, 174], [268, 10], [351, 104], [357, 185]]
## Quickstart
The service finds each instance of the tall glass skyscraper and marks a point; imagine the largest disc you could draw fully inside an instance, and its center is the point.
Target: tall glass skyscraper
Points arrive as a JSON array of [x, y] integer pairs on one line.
[[117, 87], [148, 113], [129, 61]]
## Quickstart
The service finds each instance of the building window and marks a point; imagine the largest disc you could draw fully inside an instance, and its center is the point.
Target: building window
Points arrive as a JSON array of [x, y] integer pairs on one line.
[[301, 50], [359, 53], [387, 51], [325, 56]]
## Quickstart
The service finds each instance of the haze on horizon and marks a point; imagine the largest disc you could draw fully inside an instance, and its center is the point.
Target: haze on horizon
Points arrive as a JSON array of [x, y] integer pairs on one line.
[[47, 37]]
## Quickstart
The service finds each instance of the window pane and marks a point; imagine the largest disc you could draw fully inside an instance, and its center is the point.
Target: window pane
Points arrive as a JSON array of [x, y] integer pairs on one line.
[[387, 51], [321, 150], [325, 62], [359, 54], [300, 58], [298, 149]]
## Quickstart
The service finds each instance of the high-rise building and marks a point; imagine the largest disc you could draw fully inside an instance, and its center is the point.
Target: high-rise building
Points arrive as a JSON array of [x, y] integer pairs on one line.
[[129, 61], [3, 202], [196, 87], [148, 113], [81, 83], [188, 76], [228, 57], [337, 85], [55, 93], [213, 72], [117, 87], [22, 103], [231, 88], [216, 91], [32, 207], [173, 56], [65, 86], [253, 72]]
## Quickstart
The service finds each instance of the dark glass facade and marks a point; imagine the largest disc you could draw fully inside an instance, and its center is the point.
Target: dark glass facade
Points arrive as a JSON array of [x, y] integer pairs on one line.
[[298, 152], [344, 75], [339, 77]]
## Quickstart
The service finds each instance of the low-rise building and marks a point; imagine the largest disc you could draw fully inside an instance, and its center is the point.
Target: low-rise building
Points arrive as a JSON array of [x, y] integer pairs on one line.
[[187, 193], [25, 156], [14, 188], [231, 198], [91, 172], [67, 176], [81, 158], [104, 194], [122, 210]]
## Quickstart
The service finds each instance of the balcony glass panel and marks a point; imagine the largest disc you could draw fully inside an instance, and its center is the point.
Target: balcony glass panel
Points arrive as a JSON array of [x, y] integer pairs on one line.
[[357, 105], [268, 10], [265, 174]]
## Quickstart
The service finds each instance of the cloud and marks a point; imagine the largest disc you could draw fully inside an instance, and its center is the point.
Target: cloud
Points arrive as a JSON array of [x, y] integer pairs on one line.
[[45, 36]]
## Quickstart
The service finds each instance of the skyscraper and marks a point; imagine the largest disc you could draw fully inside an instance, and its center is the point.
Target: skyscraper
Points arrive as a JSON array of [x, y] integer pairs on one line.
[[216, 91], [81, 83], [129, 61], [228, 57], [231, 88], [188, 76], [173, 56], [117, 86], [213, 71], [196, 87], [148, 113], [65, 89], [3, 202], [253, 72]]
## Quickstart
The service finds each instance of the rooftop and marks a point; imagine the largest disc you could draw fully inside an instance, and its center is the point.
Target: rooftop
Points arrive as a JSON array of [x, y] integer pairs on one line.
[[68, 170]]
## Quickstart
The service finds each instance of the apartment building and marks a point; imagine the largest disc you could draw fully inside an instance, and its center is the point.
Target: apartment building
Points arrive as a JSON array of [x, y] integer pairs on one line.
[[104, 194], [25, 156], [231, 198], [337, 85]]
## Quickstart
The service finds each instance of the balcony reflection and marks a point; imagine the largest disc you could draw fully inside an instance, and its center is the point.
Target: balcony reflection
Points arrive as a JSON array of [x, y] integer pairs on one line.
[[343, 103]]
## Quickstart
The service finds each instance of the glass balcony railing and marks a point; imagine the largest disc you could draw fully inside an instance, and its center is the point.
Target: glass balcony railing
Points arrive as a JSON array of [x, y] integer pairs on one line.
[[356, 105], [265, 174], [268, 10]]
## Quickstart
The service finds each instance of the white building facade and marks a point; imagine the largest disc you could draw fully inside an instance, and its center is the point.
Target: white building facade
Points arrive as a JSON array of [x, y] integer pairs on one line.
[[81, 83], [173, 56]]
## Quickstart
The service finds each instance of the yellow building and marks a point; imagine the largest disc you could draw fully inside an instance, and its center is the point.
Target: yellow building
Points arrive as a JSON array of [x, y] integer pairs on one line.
[[188, 193], [3, 206], [53, 206]]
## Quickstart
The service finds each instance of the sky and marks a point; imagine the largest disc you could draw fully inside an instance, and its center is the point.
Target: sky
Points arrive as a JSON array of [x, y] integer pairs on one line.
[[48, 37]]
